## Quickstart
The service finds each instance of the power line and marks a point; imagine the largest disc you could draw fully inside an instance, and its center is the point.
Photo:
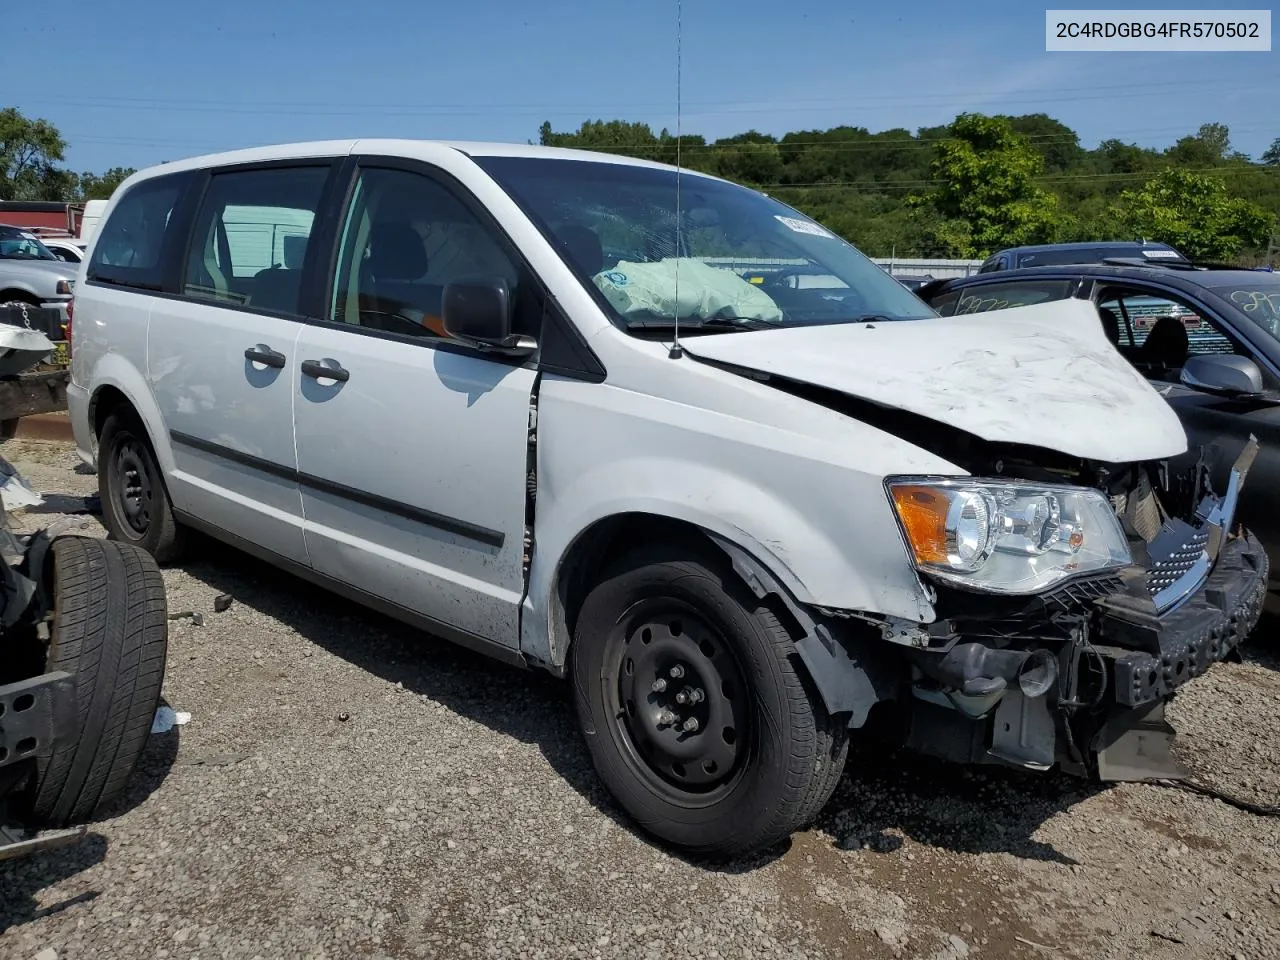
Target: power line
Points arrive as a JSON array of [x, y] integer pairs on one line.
[[463, 110], [862, 144], [186, 103]]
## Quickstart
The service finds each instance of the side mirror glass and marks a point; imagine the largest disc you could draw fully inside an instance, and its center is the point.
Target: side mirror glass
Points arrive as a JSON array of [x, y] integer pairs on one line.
[[478, 311], [1225, 374]]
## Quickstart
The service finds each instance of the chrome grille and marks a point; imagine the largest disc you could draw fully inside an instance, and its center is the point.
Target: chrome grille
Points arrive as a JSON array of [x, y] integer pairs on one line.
[[1164, 573]]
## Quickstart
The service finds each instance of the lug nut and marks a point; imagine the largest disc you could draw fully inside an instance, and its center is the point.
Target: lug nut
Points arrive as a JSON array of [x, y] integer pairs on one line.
[[677, 672], [682, 697], [659, 685], [691, 725], [696, 695], [667, 718]]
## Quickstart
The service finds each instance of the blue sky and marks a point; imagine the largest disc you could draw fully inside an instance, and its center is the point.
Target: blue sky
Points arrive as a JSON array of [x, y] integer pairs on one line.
[[136, 82]]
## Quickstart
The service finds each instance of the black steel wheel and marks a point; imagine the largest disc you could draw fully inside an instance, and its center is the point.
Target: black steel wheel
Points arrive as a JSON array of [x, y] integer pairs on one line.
[[695, 707], [680, 702], [135, 502]]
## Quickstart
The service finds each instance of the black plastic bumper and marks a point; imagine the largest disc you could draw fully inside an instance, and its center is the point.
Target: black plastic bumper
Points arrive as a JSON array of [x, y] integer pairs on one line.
[[35, 715], [1149, 656]]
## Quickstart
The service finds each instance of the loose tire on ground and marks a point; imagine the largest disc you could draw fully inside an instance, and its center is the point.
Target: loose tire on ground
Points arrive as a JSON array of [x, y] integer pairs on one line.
[[772, 757], [135, 501], [110, 629]]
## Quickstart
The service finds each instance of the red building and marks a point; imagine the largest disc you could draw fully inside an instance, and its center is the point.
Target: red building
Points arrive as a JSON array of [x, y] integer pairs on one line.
[[42, 216]]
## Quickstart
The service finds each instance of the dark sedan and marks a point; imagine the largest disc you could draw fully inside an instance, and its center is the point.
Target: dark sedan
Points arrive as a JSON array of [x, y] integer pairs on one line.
[[1209, 339]]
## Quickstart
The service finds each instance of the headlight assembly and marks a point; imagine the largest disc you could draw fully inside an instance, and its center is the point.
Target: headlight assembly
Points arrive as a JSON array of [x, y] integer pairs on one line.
[[1007, 537]]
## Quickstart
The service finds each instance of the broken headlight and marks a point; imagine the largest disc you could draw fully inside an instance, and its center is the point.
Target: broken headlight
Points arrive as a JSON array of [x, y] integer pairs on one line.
[[1004, 537]]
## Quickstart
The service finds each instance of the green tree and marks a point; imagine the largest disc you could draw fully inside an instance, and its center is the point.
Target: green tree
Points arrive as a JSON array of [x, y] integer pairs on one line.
[[29, 152], [1196, 214], [92, 186], [1208, 147], [986, 178], [1271, 156], [1057, 143]]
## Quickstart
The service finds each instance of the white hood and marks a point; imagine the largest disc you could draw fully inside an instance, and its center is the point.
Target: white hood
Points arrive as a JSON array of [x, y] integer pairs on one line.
[[1043, 375]]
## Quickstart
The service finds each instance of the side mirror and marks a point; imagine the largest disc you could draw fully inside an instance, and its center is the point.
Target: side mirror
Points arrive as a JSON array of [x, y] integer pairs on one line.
[[1225, 374], [478, 311]]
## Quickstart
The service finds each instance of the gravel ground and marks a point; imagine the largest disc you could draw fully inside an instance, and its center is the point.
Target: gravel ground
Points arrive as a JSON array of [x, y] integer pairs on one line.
[[348, 788]]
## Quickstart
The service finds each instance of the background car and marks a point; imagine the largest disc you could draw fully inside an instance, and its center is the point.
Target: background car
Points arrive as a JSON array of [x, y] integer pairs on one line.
[[31, 274], [1209, 339], [1056, 254], [66, 249]]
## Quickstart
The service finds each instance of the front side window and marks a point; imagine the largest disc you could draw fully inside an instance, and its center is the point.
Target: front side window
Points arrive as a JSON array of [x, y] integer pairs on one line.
[[731, 254], [406, 236], [18, 244], [250, 236], [983, 297], [1160, 331], [130, 246]]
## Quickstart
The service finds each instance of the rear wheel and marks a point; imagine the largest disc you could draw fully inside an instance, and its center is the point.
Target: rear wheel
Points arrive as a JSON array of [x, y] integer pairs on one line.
[[696, 711], [135, 502], [110, 630]]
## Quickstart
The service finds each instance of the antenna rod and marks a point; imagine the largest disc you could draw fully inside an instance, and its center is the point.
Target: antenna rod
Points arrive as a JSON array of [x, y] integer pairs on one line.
[[676, 352]]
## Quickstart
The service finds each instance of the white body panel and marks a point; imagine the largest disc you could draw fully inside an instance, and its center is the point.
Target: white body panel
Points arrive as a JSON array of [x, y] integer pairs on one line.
[[209, 393], [442, 436]]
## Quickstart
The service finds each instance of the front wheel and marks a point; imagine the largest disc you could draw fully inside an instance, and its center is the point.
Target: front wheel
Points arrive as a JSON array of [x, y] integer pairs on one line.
[[695, 708], [135, 502]]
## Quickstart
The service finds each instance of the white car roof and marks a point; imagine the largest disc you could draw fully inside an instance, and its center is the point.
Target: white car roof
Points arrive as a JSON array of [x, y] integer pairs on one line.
[[400, 147]]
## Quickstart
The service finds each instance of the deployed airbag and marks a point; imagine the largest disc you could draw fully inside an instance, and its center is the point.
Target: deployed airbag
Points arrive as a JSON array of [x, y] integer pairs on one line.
[[646, 290]]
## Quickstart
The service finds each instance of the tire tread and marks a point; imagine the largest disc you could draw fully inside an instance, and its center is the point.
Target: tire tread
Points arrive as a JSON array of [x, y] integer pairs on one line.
[[110, 630]]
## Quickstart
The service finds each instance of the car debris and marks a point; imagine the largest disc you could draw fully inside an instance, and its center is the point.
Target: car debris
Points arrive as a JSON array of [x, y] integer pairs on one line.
[[60, 677]]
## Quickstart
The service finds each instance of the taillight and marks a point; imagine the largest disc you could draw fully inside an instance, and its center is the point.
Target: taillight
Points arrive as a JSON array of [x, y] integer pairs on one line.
[[66, 327]]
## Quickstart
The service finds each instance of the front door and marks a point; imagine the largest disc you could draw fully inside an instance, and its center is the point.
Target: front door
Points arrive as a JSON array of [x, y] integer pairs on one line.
[[412, 447], [222, 360]]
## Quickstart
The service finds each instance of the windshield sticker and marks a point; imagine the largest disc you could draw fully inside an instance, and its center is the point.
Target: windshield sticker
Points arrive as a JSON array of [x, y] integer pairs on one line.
[[804, 226], [1162, 254], [26, 236], [616, 278]]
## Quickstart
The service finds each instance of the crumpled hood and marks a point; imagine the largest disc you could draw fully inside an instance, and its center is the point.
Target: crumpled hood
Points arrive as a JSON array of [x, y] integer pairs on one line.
[[1043, 375]]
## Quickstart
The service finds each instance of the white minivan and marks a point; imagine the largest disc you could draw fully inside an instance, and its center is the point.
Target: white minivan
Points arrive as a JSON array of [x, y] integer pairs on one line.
[[445, 380]]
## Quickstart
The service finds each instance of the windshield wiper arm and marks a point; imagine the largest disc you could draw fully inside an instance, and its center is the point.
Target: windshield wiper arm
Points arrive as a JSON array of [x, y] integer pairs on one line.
[[722, 323]]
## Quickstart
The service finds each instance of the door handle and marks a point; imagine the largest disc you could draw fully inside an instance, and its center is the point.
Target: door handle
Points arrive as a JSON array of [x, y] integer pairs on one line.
[[261, 353], [318, 370]]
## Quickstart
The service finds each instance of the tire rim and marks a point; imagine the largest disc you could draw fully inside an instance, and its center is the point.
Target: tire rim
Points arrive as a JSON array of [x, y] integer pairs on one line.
[[133, 485], [679, 700]]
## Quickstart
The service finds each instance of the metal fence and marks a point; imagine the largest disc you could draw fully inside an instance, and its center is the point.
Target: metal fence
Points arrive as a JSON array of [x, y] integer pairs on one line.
[[912, 267]]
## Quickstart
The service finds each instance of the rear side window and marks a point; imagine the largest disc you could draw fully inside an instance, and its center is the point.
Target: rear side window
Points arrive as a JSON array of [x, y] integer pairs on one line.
[[250, 237], [130, 248], [1001, 296]]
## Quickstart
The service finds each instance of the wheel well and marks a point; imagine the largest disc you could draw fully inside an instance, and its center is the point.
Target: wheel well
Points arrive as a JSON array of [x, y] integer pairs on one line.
[[596, 549], [8, 296], [104, 403]]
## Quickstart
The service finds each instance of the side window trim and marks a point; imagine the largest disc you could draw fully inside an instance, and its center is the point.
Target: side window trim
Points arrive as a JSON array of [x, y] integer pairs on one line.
[[572, 358]]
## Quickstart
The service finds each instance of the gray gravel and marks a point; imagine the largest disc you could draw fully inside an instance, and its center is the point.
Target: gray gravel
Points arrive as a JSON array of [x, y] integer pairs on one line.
[[348, 788]]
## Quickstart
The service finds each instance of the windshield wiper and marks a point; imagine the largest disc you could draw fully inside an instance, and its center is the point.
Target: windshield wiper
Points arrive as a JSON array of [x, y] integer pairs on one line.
[[714, 323]]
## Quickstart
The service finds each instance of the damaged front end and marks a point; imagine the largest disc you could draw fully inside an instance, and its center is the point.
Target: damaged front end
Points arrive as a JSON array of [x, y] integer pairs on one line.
[[1078, 674]]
